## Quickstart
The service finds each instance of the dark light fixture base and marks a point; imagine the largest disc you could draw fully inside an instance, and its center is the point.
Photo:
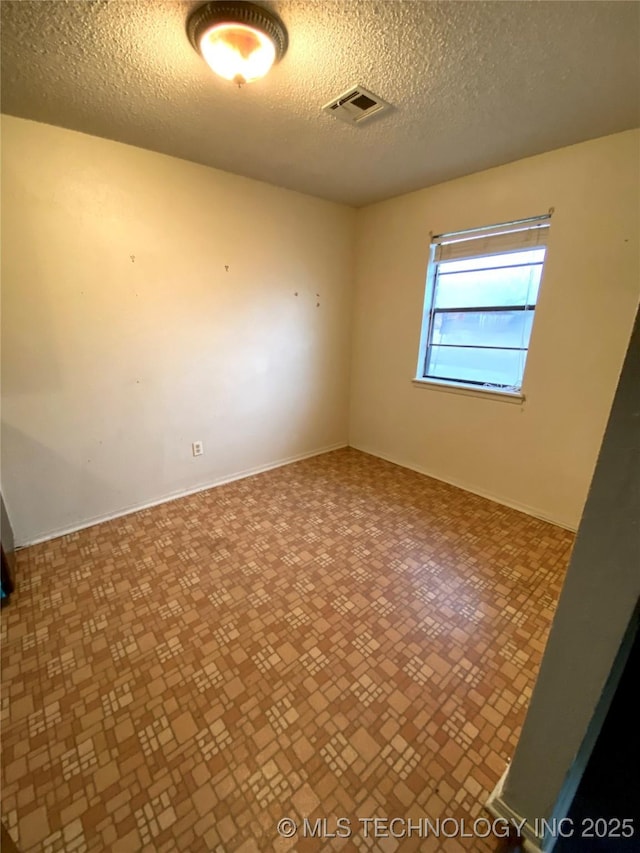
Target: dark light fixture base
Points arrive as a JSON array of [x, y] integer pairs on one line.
[[237, 12]]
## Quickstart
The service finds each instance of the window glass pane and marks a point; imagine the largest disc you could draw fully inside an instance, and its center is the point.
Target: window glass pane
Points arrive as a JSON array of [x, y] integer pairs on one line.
[[482, 288], [486, 366], [530, 256], [483, 328]]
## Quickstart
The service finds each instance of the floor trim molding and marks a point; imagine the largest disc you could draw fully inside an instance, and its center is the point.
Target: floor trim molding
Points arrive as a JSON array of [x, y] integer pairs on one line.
[[172, 496], [498, 808], [528, 510]]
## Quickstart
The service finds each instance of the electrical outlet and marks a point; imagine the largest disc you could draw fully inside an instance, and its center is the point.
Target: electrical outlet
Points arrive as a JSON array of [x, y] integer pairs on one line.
[[197, 448]]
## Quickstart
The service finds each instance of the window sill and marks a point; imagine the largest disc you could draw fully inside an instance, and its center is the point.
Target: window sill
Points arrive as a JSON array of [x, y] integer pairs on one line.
[[516, 397]]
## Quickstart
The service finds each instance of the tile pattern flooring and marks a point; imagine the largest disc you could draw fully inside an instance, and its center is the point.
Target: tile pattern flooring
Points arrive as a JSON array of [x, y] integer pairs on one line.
[[340, 637]]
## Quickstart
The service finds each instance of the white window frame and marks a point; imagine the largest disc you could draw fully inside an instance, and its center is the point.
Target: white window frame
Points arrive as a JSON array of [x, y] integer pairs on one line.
[[519, 235]]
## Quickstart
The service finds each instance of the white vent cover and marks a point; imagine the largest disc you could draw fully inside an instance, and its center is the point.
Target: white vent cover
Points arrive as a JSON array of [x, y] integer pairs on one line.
[[355, 105]]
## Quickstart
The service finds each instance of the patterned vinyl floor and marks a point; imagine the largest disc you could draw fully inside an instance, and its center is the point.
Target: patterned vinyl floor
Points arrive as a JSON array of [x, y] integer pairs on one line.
[[340, 638]]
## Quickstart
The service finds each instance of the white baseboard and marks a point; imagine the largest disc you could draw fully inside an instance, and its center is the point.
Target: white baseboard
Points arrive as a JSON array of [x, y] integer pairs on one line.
[[172, 496], [498, 808], [528, 510], [128, 510]]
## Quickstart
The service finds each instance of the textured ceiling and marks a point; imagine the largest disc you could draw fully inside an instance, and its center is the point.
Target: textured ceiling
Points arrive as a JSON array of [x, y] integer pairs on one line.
[[474, 84]]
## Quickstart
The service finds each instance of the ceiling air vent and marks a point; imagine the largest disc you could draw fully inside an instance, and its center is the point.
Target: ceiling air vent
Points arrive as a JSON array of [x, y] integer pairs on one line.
[[356, 105]]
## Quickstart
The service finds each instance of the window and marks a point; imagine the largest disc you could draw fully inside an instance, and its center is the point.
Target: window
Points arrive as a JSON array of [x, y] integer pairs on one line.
[[482, 290]]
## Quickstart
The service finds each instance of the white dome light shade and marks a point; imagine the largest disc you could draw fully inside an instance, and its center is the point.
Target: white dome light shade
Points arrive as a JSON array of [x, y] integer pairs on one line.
[[240, 41], [238, 52]]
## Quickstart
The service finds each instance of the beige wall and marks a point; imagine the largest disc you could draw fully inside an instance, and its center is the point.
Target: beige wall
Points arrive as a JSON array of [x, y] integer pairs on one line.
[[125, 338], [538, 456]]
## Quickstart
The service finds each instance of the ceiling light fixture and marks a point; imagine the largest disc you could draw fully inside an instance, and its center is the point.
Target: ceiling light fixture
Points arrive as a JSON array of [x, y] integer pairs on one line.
[[239, 41]]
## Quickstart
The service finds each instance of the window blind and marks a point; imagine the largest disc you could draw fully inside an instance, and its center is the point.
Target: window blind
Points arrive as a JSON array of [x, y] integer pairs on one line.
[[498, 240]]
